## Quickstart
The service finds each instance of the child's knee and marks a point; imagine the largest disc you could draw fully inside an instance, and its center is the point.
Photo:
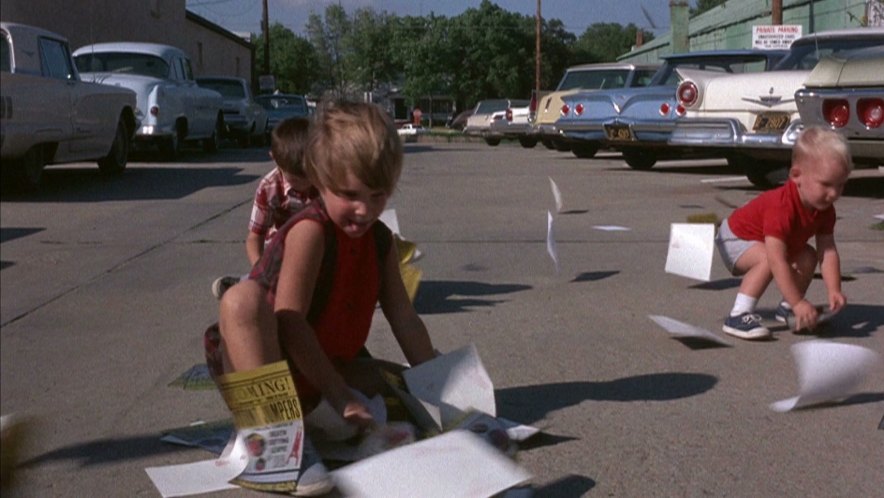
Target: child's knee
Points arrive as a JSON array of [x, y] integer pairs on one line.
[[242, 300]]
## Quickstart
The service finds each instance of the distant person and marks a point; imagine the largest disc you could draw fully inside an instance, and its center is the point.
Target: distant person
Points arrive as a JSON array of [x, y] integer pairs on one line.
[[312, 295], [281, 193], [417, 115], [766, 239]]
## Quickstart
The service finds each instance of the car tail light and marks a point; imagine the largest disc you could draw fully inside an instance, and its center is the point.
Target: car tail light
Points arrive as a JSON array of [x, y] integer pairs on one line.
[[565, 109], [836, 112], [871, 112], [578, 109], [680, 110], [154, 111], [687, 93], [509, 114], [664, 109]]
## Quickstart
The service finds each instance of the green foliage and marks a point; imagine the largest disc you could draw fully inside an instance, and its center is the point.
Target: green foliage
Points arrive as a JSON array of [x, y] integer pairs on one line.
[[292, 60], [603, 42], [704, 5]]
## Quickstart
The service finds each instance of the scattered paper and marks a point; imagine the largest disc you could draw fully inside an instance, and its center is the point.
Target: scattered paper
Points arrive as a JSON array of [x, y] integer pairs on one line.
[[880, 216], [196, 378], [611, 228], [211, 436], [686, 330], [388, 216], [456, 383], [202, 477], [551, 241], [824, 314], [457, 463], [691, 246], [827, 371], [557, 195]]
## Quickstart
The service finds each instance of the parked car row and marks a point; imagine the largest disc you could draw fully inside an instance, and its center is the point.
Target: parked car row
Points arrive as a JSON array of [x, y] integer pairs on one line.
[[746, 106]]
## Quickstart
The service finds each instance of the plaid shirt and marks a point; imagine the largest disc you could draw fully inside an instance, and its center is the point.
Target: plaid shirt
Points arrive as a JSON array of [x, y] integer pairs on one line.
[[275, 202]]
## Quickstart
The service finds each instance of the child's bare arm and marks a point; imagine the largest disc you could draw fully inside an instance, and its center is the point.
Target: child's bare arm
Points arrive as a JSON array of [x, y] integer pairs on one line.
[[254, 247], [830, 267], [408, 328], [784, 276], [297, 280]]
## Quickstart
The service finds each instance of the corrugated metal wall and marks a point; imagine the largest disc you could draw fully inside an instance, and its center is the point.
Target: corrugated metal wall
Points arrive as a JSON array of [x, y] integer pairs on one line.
[[729, 26]]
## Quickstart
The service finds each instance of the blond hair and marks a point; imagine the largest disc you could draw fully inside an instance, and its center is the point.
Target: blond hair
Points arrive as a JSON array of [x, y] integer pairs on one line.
[[815, 142], [355, 138]]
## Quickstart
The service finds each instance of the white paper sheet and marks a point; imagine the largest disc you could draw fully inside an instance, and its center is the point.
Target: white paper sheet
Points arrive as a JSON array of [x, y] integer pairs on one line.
[[551, 241], [201, 477], [455, 463], [681, 329], [557, 195], [456, 382], [611, 228], [691, 246], [388, 216], [827, 371]]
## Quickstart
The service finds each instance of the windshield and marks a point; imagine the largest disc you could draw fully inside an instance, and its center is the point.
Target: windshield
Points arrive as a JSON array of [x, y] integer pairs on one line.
[[120, 62], [593, 79], [229, 89], [292, 104], [805, 54]]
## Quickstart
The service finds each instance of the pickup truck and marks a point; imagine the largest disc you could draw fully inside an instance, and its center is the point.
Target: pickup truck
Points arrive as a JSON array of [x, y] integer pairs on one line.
[[172, 108], [49, 116]]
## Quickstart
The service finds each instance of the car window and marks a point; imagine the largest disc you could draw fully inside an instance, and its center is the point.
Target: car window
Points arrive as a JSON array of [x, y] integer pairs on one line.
[[5, 56], [642, 77], [490, 106], [227, 88], [667, 76], [804, 55], [291, 104], [56, 63], [593, 79], [122, 62]]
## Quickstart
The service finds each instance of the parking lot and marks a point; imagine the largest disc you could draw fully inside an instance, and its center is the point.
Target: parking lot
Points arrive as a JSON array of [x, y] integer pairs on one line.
[[106, 293]]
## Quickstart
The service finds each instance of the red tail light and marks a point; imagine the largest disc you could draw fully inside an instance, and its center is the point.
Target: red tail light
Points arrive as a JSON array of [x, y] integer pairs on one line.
[[565, 109], [154, 111], [578, 109], [664, 109], [871, 112], [680, 110], [509, 114], [687, 93], [836, 112]]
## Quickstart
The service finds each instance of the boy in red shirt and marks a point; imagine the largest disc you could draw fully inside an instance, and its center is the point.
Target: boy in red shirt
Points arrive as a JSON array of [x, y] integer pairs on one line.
[[766, 239]]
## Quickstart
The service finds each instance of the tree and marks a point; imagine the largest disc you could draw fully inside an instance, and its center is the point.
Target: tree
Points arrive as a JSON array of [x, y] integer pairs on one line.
[[604, 42], [704, 5], [368, 49], [327, 38], [293, 60]]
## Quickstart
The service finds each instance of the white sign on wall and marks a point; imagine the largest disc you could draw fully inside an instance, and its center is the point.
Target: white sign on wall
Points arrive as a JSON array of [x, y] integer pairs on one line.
[[777, 37]]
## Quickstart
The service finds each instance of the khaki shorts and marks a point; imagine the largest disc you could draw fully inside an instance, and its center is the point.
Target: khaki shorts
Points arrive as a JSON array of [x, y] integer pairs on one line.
[[730, 247]]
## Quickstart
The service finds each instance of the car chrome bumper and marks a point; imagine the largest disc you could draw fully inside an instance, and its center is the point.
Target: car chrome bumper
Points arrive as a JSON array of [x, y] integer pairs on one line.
[[730, 134]]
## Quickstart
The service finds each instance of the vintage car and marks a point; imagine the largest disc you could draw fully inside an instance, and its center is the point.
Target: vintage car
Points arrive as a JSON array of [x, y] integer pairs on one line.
[[479, 124], [282, 106], [752, 119], [172, 108], [584, 77], [845, 92], [514, 125], [245, 119], [50, 116], [638, 121], [409, 132]]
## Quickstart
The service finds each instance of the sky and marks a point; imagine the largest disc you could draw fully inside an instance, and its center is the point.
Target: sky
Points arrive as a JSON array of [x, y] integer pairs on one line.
[[576, 15]]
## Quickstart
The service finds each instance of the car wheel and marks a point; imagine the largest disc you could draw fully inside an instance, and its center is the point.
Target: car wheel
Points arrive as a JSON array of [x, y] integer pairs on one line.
[[761, 173], [114, 162], [562, 146], [170, 146], [213, 143], [639, 159], [584, 151], [548, 143], [494, 142], [528, 142]]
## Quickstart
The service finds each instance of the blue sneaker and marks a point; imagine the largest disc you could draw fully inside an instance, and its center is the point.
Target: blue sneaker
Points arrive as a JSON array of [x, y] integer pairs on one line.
[[783, 314], [745, 326]]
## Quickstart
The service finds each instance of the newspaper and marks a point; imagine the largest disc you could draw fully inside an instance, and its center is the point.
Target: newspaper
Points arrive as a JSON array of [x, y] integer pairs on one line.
[[268, 417]]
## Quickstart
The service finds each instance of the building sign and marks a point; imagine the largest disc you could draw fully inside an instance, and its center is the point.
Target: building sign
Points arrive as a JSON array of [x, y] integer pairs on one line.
[[777, 37]]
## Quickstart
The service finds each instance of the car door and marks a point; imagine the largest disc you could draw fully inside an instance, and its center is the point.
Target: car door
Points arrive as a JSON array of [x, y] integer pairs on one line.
[[201, 112], [53, 109]]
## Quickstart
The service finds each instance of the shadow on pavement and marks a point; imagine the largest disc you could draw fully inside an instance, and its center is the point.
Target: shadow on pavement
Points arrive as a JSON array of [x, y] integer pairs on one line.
[[529, 404], [436, 296], [566, 487], [108, 450], [592, 276]]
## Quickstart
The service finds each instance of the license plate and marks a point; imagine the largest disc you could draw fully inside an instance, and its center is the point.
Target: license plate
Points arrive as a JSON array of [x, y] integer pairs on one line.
[[619, 133], [771, 122]]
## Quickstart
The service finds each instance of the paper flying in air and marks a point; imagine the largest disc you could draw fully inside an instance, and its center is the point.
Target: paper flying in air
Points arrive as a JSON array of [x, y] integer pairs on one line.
[[686, 330], [611, 228], [557, 195], [551, 241], [827, 371], [691, 246]]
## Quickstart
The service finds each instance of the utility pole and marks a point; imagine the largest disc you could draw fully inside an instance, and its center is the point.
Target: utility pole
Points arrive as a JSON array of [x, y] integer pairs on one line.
[[537, 23], [265, 26], [776, 12]]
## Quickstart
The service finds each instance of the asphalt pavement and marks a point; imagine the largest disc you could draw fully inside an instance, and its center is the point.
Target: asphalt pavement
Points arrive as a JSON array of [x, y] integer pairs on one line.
[[105, 289]]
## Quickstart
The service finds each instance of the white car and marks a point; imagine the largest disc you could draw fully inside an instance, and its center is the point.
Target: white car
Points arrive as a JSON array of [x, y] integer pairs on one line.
[[171, 107], [409, 132], [485, 112], [245, 119], [752, 119], [513, 124]]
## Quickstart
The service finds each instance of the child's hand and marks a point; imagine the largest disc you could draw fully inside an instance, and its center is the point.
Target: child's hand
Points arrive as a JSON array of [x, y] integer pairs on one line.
[[805, 315], [357, 414], [837, 301]]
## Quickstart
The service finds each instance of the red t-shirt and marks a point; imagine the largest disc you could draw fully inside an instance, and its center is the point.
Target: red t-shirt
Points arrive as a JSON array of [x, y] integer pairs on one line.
[[779, 213]]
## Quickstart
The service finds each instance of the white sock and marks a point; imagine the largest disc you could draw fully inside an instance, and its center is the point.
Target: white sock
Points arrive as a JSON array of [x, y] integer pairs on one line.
[[743, 304], [785, 304]]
